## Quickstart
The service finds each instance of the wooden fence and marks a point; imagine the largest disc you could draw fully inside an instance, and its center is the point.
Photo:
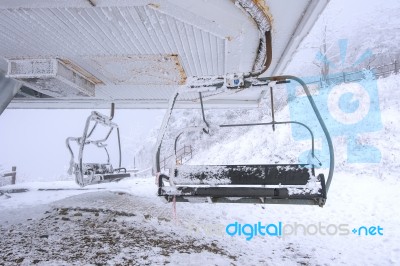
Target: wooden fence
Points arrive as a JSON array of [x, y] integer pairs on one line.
[[347, 77], [12, 174]]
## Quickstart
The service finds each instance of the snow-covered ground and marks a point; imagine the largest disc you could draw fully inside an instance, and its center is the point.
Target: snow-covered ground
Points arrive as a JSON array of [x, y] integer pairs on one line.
[[126, 223]]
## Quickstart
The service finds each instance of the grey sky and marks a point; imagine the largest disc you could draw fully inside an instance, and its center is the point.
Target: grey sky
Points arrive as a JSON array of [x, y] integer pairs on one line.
[[34, 140]]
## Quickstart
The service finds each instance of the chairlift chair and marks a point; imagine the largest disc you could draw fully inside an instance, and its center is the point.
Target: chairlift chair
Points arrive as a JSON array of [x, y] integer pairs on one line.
[[245, 183], [96, 173]]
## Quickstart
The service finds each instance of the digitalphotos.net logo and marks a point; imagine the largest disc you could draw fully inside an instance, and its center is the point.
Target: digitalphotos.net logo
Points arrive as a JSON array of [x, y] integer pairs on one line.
[[348, 103], [284, 230]]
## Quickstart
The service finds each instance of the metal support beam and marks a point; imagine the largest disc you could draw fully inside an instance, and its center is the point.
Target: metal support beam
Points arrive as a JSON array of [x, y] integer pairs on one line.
[[8, 89]]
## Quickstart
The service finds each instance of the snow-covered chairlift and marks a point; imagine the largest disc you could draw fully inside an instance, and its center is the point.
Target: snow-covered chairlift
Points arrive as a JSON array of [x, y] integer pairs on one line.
[[269, 183], [96, 173]]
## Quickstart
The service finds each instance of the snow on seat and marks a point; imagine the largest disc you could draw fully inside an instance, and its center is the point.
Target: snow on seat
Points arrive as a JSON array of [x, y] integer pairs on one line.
[[276, 184], [275, 174]]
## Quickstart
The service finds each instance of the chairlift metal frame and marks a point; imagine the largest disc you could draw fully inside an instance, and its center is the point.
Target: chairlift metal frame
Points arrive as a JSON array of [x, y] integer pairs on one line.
[[269, 183], [96, 173]]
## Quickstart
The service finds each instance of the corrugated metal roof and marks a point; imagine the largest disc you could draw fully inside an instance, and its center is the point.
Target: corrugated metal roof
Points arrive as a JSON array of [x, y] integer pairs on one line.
[[73, 32], [128, 45]]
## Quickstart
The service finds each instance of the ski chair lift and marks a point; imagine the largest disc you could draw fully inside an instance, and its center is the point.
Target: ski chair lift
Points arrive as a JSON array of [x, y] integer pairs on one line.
[[96, 173], [267, 183]]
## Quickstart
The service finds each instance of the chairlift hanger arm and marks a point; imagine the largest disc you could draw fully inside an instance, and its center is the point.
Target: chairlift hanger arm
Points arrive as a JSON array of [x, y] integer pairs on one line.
[[165, 122], [163, 129], [286, 78]]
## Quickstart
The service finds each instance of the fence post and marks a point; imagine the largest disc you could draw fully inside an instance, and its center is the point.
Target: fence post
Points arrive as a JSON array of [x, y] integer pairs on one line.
[[14, 175], [396, 69]]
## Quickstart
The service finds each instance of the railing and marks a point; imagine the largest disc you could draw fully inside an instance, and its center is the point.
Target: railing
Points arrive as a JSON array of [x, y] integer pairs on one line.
[[12, 174], [183, 155], [347, 77]]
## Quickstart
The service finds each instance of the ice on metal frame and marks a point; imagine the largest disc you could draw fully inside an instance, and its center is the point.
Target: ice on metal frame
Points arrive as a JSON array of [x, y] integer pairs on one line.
[[263, 23]]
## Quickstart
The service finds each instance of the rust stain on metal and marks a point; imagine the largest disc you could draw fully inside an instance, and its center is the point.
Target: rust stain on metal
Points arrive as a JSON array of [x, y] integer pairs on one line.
[[81, 71], [179, 68], [265, 9], [141, 69], [154, 5]]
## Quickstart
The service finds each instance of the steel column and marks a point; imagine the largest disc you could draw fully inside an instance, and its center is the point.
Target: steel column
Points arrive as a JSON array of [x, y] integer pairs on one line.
[[8, 89]]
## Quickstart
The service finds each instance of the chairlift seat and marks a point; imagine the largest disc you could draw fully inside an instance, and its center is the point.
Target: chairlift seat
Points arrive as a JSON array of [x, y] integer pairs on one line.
[[103, 173], [269, 183]]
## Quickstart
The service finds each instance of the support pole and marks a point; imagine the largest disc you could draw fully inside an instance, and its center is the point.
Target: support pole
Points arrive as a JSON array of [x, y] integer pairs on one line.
[[8, 89], [14, 175]]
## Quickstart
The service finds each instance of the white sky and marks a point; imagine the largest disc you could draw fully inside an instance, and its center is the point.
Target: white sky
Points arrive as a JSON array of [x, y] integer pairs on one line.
[[34, 140]]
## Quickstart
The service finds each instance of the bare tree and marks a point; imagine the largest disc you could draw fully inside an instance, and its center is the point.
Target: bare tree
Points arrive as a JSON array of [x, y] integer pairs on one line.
[[323, 63]]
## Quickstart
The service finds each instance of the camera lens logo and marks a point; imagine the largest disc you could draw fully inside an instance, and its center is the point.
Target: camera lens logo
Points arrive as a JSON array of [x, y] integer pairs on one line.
[[349, 104]]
